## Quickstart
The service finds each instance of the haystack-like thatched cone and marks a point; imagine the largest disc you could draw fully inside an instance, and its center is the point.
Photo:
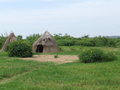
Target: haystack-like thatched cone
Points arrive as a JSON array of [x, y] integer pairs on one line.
[[10, 39], [45, 44]]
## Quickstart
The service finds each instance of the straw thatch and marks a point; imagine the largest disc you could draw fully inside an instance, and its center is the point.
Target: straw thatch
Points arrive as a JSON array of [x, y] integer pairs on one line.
[[10, 39], [46, 43]]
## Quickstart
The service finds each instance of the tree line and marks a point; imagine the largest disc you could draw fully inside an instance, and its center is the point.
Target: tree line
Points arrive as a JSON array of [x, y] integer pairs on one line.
[[67, 40]]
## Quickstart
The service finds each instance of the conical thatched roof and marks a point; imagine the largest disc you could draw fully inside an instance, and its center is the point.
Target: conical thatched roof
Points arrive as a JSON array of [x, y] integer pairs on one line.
[[10, 39], [47, 43]]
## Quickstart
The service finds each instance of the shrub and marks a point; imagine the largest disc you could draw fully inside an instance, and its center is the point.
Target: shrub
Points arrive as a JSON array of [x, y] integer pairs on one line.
[[109, 56], [95, 55], [20, 49], [32, 38], [118, 44], [56, 56], [65, 42], [2, 40]]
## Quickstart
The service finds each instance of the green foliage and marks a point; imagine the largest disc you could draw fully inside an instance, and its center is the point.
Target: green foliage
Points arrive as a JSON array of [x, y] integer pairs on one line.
[[2, 40], [118, 44], [109, 56], [32, 38], [56, 56], [95, 55], [19, 37], [67, 40], [86, 42], [104, 41], [20, 49]]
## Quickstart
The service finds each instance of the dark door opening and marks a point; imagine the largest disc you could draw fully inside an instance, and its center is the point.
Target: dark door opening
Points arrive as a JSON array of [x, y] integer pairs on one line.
[[39, 49]]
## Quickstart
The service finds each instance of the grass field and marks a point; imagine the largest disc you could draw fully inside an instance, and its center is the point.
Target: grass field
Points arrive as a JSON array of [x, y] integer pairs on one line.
[[32, 75]]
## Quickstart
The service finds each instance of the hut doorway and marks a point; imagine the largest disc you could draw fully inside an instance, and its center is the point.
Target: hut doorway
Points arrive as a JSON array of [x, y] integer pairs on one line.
[[39, 49]]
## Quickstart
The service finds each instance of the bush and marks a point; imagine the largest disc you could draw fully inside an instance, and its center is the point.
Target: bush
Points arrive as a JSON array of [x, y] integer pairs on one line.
[[32, 38], [86, 42], [109, 56], [56, 56], [20, 49], [2, 40], [118, 44], [66, 42], [95, 55]]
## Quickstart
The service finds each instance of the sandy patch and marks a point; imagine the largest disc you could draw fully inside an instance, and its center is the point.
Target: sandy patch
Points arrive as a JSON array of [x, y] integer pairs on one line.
[[50, 58]]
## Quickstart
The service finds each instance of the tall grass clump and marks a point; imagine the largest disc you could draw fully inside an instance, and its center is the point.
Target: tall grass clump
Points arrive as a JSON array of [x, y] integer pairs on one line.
[[20, 49], [95, 55], [56, 56]]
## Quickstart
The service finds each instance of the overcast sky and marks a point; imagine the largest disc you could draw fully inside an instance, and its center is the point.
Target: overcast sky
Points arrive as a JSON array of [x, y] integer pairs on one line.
[[75, 17]]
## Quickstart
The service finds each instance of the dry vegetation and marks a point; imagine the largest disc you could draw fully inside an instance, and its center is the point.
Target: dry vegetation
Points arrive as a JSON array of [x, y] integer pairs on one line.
[[50, 58]]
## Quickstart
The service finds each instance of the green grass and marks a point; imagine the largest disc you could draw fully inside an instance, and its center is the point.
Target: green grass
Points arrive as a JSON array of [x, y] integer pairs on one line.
[[75, 50], [32, 75]]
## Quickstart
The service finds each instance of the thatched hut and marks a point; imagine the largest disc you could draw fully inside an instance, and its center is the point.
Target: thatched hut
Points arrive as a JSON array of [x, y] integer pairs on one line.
[[10, 39], [45, 44]]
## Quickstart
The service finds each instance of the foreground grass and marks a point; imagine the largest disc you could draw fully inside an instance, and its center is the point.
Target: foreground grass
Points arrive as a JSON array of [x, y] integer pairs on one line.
[[30, 75]]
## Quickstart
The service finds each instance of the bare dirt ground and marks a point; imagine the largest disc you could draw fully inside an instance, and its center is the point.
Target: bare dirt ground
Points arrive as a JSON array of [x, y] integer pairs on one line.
[[50, 58]]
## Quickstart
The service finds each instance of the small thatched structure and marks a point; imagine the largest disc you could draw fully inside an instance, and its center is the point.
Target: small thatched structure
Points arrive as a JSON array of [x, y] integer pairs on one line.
[[10, 39], [46, 43]]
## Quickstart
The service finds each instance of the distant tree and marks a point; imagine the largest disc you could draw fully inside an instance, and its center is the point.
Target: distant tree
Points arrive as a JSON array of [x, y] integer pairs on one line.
[[2, 40], [32, 38], [86, 36], [19, 37]]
